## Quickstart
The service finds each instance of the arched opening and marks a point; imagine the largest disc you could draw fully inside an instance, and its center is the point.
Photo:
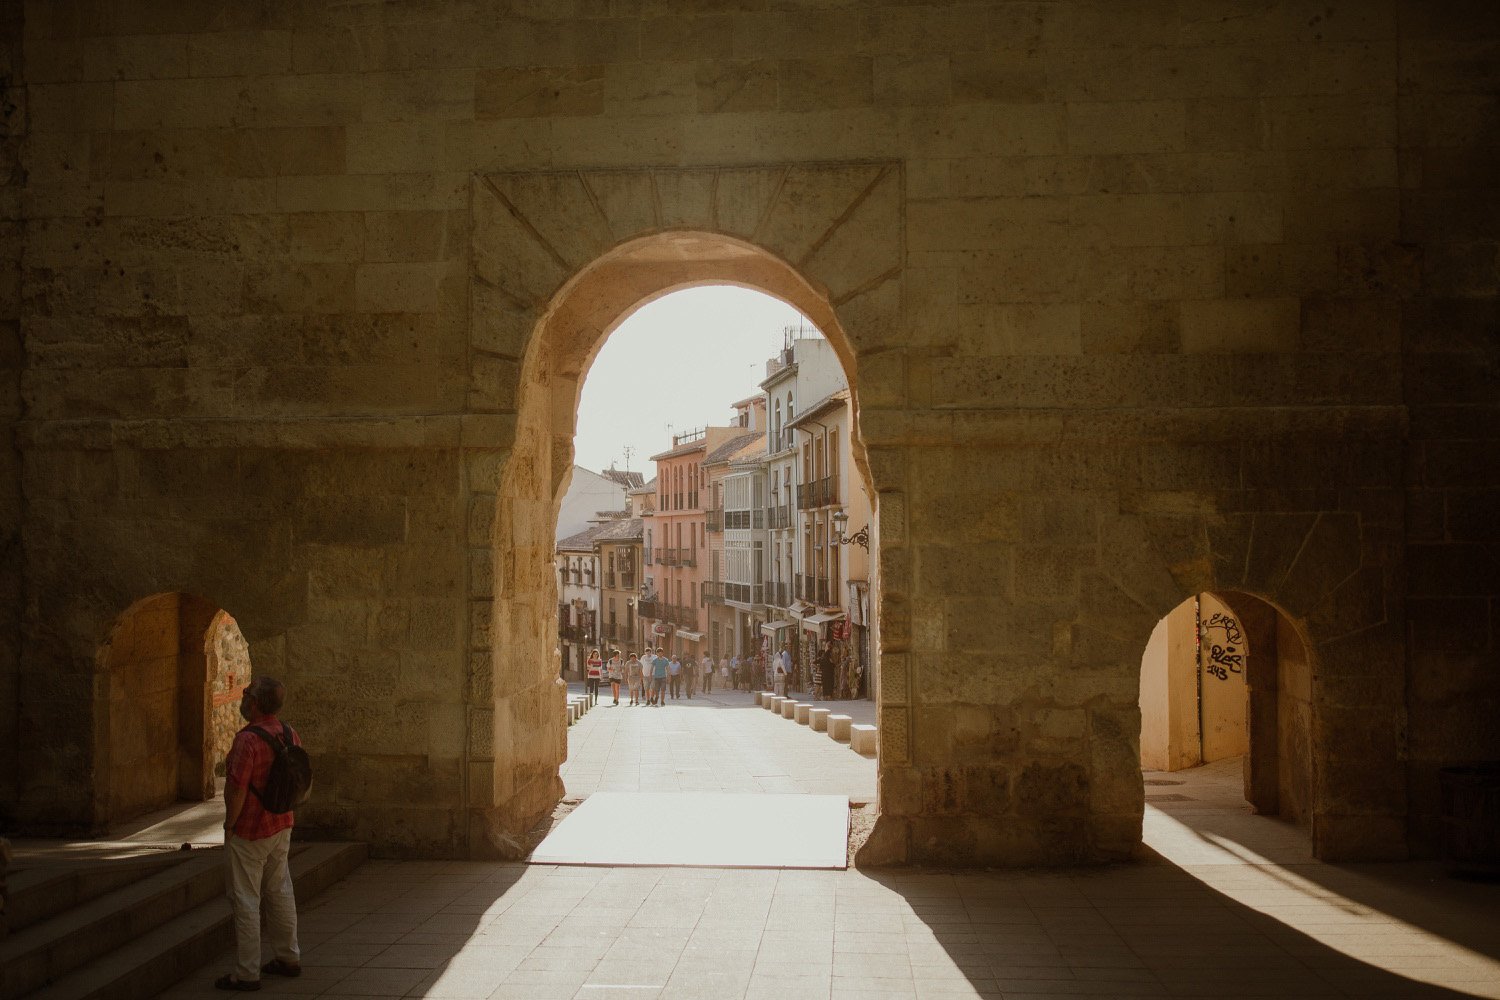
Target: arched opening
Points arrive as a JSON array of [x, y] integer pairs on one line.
[[1226, 687], [529, 715], [169, 672]]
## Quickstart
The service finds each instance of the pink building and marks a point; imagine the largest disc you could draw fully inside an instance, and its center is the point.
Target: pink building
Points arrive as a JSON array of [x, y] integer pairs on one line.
[[676, 543]]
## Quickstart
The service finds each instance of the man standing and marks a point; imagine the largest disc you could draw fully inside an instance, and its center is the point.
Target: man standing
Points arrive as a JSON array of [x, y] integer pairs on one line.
[[257, 843]]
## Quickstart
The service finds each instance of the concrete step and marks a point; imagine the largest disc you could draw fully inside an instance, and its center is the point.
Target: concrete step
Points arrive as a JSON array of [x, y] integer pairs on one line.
[[37, 894], [151, 934]]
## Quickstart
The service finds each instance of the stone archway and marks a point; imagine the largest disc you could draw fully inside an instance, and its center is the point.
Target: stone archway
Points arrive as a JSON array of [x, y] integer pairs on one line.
[[559, 259], [1317, 576]]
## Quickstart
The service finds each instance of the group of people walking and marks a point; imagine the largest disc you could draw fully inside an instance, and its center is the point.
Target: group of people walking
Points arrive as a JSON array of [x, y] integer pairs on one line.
[[654, 676]]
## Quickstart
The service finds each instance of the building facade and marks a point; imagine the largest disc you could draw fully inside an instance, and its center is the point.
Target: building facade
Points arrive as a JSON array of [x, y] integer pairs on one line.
[[832, 554], [618, 544], [577, 565]]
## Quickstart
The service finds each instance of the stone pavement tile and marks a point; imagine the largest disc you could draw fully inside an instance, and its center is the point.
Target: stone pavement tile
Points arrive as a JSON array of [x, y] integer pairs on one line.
[[866, 966], [373, 981], [871, 942], [874, 989], [788, 987]]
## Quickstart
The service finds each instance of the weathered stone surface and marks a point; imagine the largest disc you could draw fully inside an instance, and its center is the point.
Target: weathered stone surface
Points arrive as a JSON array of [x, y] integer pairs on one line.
[[1133, 309]]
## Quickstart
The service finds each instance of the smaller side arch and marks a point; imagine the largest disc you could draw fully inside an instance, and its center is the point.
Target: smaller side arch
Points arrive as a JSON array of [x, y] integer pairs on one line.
[[155, 706]]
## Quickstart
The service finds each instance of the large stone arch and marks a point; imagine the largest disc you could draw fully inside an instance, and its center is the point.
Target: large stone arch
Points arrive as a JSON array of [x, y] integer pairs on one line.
[[559, 259], [1319, 572]]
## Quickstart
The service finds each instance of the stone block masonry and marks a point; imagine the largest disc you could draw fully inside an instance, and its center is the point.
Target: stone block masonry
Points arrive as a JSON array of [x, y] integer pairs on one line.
[[295, 301]]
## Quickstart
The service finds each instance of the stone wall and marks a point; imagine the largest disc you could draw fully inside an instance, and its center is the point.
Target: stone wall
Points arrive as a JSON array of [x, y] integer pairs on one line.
[[1166, 289], [12, 180], [1449, 147], [141, 672]]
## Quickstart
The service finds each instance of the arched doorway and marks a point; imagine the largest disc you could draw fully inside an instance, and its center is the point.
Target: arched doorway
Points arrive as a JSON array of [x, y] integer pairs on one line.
[[825, 241], [1226, 679], [169, 673]]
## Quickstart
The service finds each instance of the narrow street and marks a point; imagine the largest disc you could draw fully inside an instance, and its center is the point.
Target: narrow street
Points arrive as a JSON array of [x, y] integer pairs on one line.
[[721, 742]]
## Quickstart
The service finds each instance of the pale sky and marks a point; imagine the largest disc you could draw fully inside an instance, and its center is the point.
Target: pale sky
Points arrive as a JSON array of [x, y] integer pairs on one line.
[[680, 360]]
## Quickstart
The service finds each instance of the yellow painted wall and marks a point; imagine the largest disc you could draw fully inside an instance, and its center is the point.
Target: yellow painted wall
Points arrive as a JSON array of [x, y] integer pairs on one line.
[[1223, 655]]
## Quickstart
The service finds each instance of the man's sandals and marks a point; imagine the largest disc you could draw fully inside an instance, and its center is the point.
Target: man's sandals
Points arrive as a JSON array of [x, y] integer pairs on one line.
[[228, 982], [275, 967]]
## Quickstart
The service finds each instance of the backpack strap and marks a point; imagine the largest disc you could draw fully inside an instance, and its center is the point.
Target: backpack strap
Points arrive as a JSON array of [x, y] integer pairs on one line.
[[278, 747]]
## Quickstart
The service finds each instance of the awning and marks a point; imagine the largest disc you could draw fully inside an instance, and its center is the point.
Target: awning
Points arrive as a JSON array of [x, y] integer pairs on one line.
[[771, 628], [822, 619], [800, 608], [683, 633]]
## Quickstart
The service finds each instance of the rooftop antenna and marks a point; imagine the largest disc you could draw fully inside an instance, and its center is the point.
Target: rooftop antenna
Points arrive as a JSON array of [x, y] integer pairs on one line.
[[628, 452]]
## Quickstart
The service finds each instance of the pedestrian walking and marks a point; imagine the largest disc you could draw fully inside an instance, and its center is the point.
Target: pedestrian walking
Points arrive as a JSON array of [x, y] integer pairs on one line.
[[633, 677], [658, 678], [708, 674], [595, 673], [615, 670], [264, 778], [674, 674], [689, 675]]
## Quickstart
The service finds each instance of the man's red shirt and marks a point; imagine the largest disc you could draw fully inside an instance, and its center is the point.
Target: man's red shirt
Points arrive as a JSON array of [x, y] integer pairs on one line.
[[249, 764]]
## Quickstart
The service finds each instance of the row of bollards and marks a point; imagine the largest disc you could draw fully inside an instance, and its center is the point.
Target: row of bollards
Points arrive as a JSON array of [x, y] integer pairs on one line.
[[577, 705], [861, 738]]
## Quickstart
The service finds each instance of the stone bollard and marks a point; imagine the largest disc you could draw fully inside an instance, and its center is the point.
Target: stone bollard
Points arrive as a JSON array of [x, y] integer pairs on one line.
[[803, 712], [838, 727], [862, 739], [774, 703], [788, 709], [817, 718], [760, 698]]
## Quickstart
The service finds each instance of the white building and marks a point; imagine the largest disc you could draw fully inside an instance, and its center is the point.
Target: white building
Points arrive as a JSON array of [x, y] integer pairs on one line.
[[588, 494], [806, 371], [832, 551], [745, 536], [577, 600]]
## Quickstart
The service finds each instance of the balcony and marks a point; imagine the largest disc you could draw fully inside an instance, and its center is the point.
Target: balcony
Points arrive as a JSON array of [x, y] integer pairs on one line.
[[778, 595], [627, 581], [779, 517], [712, 592], [651, 609], [574, 633], [807, 496], [683, 617], [686, 557], [618, 632], [744, 593], [828, 491], [814, 590], [715, 519]]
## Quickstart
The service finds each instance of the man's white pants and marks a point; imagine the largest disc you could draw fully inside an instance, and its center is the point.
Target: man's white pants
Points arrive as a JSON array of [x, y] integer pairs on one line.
[[257, 871]]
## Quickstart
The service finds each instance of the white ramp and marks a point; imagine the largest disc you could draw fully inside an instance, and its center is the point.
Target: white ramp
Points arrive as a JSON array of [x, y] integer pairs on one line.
[[701, 830]]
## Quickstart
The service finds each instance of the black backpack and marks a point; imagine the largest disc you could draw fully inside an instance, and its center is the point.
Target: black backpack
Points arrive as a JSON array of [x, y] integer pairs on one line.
[[290, 781]]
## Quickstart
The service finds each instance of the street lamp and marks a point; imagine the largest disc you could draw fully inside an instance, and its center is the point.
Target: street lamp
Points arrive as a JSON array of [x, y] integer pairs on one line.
[[860, 537]]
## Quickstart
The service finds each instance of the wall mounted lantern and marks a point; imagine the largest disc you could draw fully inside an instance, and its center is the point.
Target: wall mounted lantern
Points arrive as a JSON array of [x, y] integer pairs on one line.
[[860, 537]]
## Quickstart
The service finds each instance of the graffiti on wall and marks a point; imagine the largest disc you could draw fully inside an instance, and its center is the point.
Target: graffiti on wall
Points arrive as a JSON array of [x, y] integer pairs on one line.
[[1224, 646]]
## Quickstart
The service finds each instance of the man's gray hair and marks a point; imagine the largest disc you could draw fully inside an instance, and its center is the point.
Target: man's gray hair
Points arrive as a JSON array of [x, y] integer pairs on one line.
[[268, 694]]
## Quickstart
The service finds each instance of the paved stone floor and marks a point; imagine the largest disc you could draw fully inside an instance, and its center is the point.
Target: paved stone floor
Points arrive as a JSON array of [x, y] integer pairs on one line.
[[1222, 905], [721, 742]]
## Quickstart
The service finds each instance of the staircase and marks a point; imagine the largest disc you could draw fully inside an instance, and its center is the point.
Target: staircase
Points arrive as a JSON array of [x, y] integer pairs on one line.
[[129, 928]]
